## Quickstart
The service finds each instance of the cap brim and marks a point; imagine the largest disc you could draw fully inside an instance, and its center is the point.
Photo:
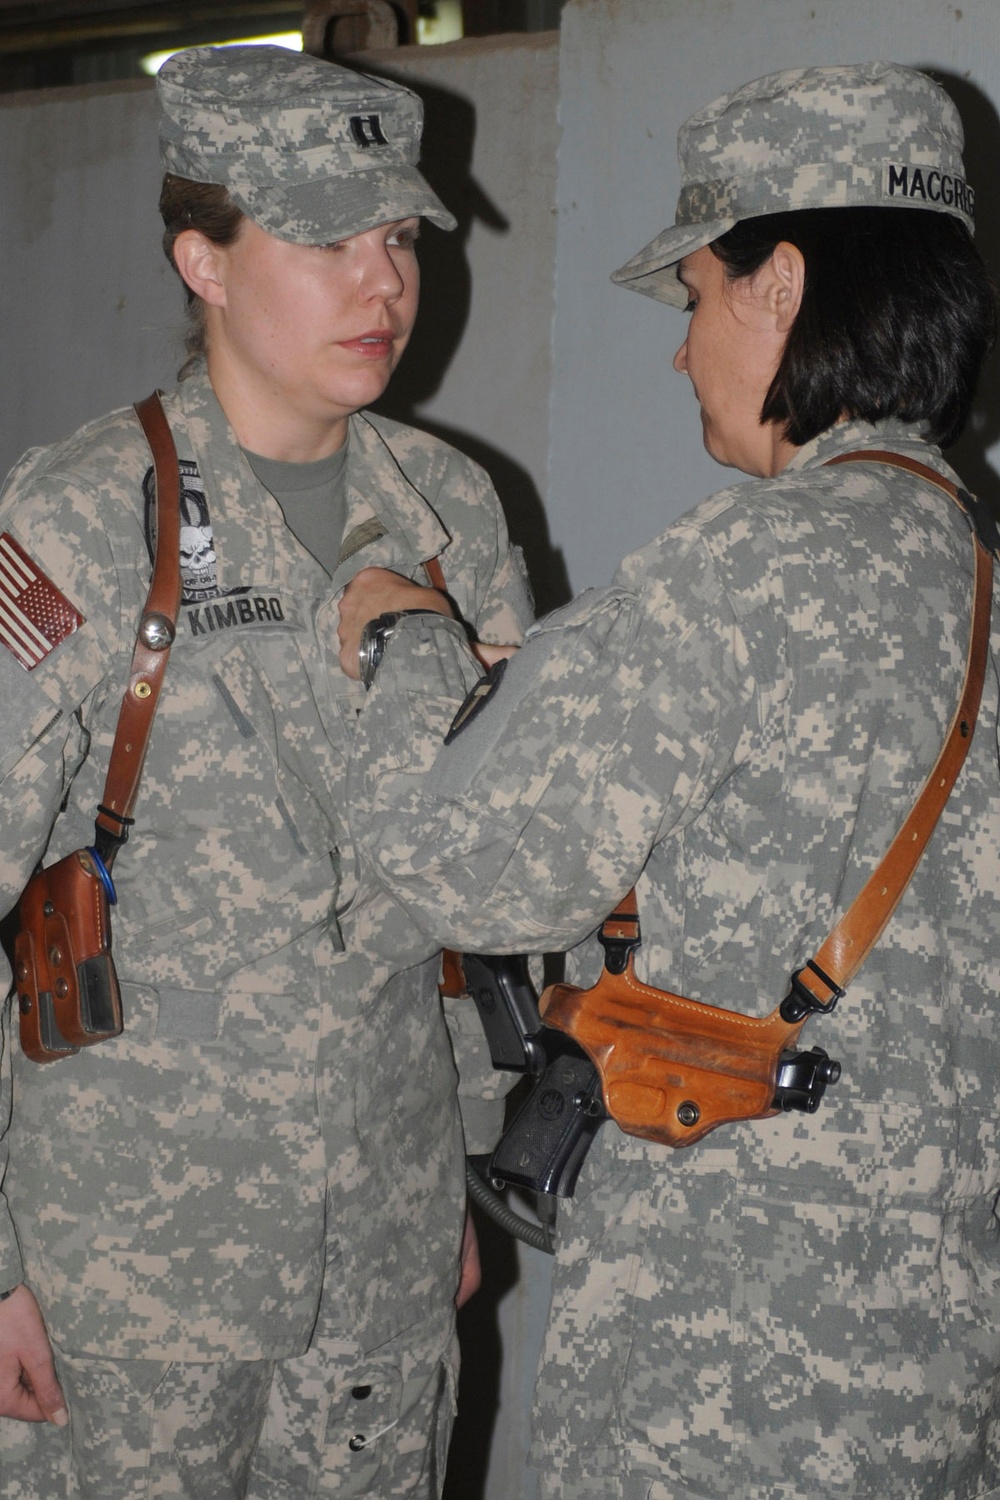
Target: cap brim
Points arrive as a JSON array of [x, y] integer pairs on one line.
[[319, 213], [653, 271]]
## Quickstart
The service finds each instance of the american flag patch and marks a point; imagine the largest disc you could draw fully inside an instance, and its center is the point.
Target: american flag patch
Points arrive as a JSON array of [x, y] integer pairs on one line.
[[34, 615]]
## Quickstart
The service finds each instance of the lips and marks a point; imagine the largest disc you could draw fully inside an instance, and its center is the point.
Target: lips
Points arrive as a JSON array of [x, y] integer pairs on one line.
[[376, 344]]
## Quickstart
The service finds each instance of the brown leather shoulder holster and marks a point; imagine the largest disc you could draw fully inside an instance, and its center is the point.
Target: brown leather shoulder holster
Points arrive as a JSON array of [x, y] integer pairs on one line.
[[672, 1069], [67, 989]]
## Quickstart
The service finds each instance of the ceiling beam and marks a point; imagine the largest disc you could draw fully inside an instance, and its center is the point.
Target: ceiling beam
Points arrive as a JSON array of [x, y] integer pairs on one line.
[[35, 28]]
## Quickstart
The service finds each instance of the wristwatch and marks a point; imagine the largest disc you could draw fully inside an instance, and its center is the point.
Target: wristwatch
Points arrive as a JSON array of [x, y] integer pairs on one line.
[[375, 637]]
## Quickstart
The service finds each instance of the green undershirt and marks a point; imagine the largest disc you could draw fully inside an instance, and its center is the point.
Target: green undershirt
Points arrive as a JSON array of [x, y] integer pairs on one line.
[[313, 499]]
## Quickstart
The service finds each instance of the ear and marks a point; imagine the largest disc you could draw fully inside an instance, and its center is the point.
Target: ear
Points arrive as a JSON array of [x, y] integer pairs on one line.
[[201, 266], [787, 284]]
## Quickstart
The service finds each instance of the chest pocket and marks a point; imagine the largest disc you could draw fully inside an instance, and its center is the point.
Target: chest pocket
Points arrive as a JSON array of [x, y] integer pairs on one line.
[[236, 846], [282, 746]]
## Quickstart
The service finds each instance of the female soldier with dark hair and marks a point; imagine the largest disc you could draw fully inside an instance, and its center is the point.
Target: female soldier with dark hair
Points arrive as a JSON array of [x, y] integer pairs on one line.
[[737, 728], [240, 1223]]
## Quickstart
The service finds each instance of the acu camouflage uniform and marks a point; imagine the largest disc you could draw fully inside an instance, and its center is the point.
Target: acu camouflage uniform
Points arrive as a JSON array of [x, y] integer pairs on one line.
[[283, 1095], [803, 1305]]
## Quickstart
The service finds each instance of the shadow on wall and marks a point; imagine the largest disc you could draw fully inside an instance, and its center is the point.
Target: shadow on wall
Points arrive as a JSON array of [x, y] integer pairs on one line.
[[482, 1351], [445, 298], [982, 151]]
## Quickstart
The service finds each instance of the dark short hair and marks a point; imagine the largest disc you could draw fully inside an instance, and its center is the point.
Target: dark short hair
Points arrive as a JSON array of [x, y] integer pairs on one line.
[[897, 316], [207, 207]]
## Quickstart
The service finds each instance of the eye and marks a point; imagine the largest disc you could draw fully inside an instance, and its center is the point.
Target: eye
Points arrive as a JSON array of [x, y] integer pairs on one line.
[[690, 304], [405, 236]]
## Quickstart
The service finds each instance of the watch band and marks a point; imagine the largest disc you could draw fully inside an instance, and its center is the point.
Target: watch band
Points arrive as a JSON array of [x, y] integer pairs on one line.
[[375, 636]]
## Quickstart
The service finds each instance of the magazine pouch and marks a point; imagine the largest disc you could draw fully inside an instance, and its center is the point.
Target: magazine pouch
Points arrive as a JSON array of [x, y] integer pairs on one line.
[[67, 989]]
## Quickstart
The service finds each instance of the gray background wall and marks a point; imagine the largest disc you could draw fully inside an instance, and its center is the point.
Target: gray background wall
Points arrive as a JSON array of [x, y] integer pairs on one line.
[[557, 153], [626, 445]]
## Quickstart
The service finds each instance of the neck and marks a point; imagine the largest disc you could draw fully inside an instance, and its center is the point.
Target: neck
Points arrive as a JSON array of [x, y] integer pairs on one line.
[[266, 422], [782, 453]]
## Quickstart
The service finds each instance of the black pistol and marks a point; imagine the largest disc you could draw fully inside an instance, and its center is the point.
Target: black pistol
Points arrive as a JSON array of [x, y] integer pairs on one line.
[[543, 1147]]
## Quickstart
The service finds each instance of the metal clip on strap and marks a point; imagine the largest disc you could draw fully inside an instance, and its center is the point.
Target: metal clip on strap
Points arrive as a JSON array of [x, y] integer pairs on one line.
[[803, 999], [157, 628]]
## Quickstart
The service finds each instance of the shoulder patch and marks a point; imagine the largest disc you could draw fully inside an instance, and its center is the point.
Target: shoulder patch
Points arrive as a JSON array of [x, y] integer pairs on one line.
[[199, 555], [477, 699], [34, 615]]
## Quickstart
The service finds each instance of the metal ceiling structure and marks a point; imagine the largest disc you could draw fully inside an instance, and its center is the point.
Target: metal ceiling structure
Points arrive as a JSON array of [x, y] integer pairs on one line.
[[57, 42], [53, 42]]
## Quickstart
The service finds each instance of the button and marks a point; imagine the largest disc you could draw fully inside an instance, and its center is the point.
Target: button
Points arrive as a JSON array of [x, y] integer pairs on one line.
[[361, 1392]]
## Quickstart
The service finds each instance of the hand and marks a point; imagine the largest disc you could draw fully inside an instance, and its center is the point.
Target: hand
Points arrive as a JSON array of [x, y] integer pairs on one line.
[[470, 1273], [29, 1390], [490, 655], [374, 592]]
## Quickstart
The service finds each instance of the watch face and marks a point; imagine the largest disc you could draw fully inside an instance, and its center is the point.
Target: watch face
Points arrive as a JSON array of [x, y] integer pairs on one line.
[[369, 652], [373, 639]]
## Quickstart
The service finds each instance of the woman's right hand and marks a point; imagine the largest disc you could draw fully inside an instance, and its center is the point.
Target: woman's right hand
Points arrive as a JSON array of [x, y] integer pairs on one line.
[[29, 1390]]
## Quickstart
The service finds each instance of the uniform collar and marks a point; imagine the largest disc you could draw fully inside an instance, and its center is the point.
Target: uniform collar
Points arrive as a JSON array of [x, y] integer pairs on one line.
[[846, 437], [389, 523], [245, 517]]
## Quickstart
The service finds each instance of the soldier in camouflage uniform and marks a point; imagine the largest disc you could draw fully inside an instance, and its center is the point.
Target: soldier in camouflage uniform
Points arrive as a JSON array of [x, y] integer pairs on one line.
[[807, 1305], [242, 1220]]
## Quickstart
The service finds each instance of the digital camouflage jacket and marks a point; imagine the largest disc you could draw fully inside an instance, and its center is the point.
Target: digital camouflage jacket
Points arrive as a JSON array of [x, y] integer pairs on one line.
[[284, 1085], [737, 727]]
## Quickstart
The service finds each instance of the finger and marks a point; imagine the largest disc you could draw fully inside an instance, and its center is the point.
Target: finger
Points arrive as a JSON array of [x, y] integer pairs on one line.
[[44, 1390], [29, 1389], [470, 1276], [490, 655]]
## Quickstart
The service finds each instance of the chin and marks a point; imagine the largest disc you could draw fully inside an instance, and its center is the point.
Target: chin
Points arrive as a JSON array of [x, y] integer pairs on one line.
[[363, 393], [714, 451]]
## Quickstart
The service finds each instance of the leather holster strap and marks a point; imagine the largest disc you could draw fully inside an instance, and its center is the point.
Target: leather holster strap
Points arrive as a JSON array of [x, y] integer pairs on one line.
[[435, 573], [859, 929], [623, 923], [861, 926], [135, 720]]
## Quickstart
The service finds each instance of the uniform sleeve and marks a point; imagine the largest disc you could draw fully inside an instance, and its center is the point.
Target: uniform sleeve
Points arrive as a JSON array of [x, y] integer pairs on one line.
[[60, 562], [485, 573], [487, 578], [608, 732]]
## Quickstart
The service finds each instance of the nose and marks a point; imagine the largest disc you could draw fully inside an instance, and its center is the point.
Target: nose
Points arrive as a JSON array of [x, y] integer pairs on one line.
[[381, 279], [681, 358]]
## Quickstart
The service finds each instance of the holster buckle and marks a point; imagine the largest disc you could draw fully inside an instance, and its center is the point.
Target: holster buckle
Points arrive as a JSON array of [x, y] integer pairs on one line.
[[801, 1000]]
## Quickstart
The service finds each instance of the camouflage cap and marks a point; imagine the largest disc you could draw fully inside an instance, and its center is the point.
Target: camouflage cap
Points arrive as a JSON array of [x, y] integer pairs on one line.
[[874, 134], [310, 151]]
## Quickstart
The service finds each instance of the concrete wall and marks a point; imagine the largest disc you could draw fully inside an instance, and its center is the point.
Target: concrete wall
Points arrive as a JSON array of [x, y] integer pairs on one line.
[[626, 453], [89, 309]]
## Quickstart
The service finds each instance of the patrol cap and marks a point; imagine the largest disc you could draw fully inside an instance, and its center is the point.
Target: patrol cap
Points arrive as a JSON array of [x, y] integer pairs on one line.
[[310, 151], [872, 134]]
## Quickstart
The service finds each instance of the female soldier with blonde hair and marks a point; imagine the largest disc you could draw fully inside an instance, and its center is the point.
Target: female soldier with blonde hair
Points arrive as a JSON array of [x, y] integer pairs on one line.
[[240, 1222]]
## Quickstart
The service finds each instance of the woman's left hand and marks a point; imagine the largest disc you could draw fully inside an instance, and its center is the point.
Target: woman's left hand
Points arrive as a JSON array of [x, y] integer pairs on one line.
[[374, 592], [470, 1273]]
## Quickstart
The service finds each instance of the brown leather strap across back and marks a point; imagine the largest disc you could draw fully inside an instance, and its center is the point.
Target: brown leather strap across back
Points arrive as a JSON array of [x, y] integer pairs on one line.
[[859, 929], [837, 961], [157, 628]]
